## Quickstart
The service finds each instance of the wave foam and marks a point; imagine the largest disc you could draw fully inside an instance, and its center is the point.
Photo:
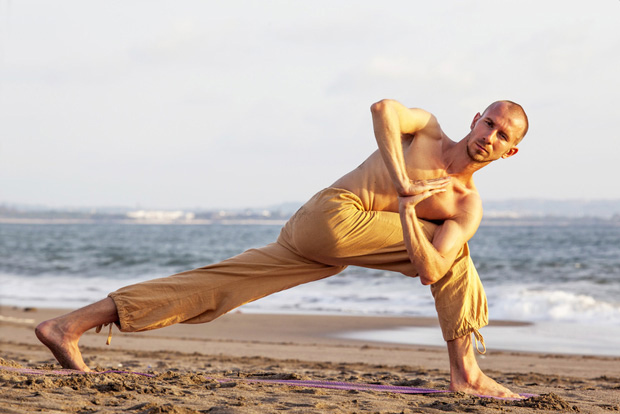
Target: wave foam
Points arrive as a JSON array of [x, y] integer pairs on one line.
[[353, 293], [551, 305]]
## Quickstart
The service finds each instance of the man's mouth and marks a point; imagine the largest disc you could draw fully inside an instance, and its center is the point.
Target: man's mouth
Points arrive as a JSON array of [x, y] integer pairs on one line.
[[481, 148]]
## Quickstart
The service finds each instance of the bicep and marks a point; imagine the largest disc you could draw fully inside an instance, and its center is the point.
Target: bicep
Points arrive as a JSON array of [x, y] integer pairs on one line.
[[452, 234], [449, 238]]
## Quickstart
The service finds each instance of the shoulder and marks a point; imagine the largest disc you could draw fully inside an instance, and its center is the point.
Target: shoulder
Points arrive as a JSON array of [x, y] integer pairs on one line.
[[411, 120], [428, 120], [430, 128]]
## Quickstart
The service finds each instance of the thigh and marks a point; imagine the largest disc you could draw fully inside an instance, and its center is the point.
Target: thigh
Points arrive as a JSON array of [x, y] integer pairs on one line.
[[333, 228], [374, 239]]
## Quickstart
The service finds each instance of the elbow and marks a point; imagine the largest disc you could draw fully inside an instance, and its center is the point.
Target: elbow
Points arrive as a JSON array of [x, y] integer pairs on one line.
[[379, 107], [427, 280], [434, 271], [429, 277]]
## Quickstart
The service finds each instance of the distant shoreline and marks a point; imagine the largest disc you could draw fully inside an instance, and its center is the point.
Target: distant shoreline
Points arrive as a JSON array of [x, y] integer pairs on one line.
[[492, 221], [496, 212], [7, 220]]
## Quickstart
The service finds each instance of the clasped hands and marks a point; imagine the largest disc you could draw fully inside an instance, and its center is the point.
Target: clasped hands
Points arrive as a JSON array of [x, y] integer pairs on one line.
[[420, 190]]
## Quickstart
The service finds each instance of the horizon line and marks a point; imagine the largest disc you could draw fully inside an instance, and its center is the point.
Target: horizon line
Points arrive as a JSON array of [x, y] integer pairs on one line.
[[11, 204]]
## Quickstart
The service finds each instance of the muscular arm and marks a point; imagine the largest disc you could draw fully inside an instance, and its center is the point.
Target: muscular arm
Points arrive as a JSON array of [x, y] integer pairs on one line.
[[393, 123], [434, 259]]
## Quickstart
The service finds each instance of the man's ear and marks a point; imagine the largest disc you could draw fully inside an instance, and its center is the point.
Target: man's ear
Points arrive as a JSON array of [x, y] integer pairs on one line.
[[476, 118], [512, 151]]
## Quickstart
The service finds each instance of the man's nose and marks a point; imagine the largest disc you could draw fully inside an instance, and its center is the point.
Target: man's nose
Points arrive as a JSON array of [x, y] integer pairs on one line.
[[491, 137]]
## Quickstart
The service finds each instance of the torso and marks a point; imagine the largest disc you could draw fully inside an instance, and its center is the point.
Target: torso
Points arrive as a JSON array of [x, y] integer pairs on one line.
[[423, 159]]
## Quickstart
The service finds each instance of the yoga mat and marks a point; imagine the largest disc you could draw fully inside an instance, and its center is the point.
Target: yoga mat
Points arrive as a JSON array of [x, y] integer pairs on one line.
[[68, 371], [297, 383]]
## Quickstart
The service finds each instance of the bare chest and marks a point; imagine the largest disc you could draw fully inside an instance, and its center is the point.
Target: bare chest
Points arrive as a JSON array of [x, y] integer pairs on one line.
[[424, 163], [441, 206]]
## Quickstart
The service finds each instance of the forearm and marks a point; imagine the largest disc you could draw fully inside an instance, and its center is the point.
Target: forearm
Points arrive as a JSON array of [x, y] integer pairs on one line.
[[429, 262], [387, 129]]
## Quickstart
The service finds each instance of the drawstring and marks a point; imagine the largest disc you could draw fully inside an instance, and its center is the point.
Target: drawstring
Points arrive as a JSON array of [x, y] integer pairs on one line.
[[98, 329], [478, 337]]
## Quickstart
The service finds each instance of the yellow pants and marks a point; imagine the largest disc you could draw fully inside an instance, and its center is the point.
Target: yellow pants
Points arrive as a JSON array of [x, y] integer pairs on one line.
[[330, 232]]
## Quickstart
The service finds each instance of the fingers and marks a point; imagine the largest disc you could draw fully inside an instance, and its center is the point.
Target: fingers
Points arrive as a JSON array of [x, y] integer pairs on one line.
[[415, 199], [424, 185], [430, 193], [420, 186], [440, 181], [447, 179]]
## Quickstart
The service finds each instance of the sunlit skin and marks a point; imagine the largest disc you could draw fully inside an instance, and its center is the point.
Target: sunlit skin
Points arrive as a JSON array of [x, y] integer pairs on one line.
[[417, 172], [420, 173], [490, 137]]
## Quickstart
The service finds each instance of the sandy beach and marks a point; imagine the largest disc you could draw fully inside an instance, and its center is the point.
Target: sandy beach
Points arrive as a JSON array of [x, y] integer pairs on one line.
[[209, 368]]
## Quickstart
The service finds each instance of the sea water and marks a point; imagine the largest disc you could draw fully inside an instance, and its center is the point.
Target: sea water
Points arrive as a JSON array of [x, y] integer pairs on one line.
[[564, 277]]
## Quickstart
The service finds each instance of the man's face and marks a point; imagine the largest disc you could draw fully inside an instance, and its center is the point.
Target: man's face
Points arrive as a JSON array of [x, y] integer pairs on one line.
[[494, 134]]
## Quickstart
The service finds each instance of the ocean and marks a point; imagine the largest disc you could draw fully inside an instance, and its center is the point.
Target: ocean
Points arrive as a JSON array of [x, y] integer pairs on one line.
[[563, 277]]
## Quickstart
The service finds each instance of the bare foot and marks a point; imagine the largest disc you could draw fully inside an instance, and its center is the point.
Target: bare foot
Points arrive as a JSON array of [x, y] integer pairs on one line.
[[479, 384], [465, 374], [64, 346]]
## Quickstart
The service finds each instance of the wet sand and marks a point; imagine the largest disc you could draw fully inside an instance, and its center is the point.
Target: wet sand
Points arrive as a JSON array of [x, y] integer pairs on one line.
[[188, 360]]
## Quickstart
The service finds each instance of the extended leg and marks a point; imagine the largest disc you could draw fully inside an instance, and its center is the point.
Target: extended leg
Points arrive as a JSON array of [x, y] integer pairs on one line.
[[196, 296], [204, 294]]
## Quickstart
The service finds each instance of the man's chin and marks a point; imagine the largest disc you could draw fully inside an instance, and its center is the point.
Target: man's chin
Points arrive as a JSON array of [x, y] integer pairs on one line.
[[477, 157]]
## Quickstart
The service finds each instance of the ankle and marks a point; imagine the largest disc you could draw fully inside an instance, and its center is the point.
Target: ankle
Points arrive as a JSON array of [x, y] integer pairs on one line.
[[57, 327], [466, 375], [463, 364]]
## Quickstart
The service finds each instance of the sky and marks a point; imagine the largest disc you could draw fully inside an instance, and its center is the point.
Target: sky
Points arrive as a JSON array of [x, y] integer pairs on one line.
[[196, 104]]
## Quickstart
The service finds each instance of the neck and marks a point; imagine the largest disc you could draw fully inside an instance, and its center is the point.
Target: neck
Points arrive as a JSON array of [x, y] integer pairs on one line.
[[458, 162]]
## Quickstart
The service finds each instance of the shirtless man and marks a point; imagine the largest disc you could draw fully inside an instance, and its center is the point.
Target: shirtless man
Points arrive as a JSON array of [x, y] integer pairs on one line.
[[410, 207]]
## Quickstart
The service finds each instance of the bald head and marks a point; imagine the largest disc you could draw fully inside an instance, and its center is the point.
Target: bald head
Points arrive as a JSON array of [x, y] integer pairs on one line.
[[516, 112]]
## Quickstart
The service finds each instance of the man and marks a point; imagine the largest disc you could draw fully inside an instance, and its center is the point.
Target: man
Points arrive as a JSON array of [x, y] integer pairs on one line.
[[410, 207]]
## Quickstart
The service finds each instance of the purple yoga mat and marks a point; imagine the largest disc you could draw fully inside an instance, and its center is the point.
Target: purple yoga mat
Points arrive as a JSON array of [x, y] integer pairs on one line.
[[343, 385], [356, 386], [68, 371]]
